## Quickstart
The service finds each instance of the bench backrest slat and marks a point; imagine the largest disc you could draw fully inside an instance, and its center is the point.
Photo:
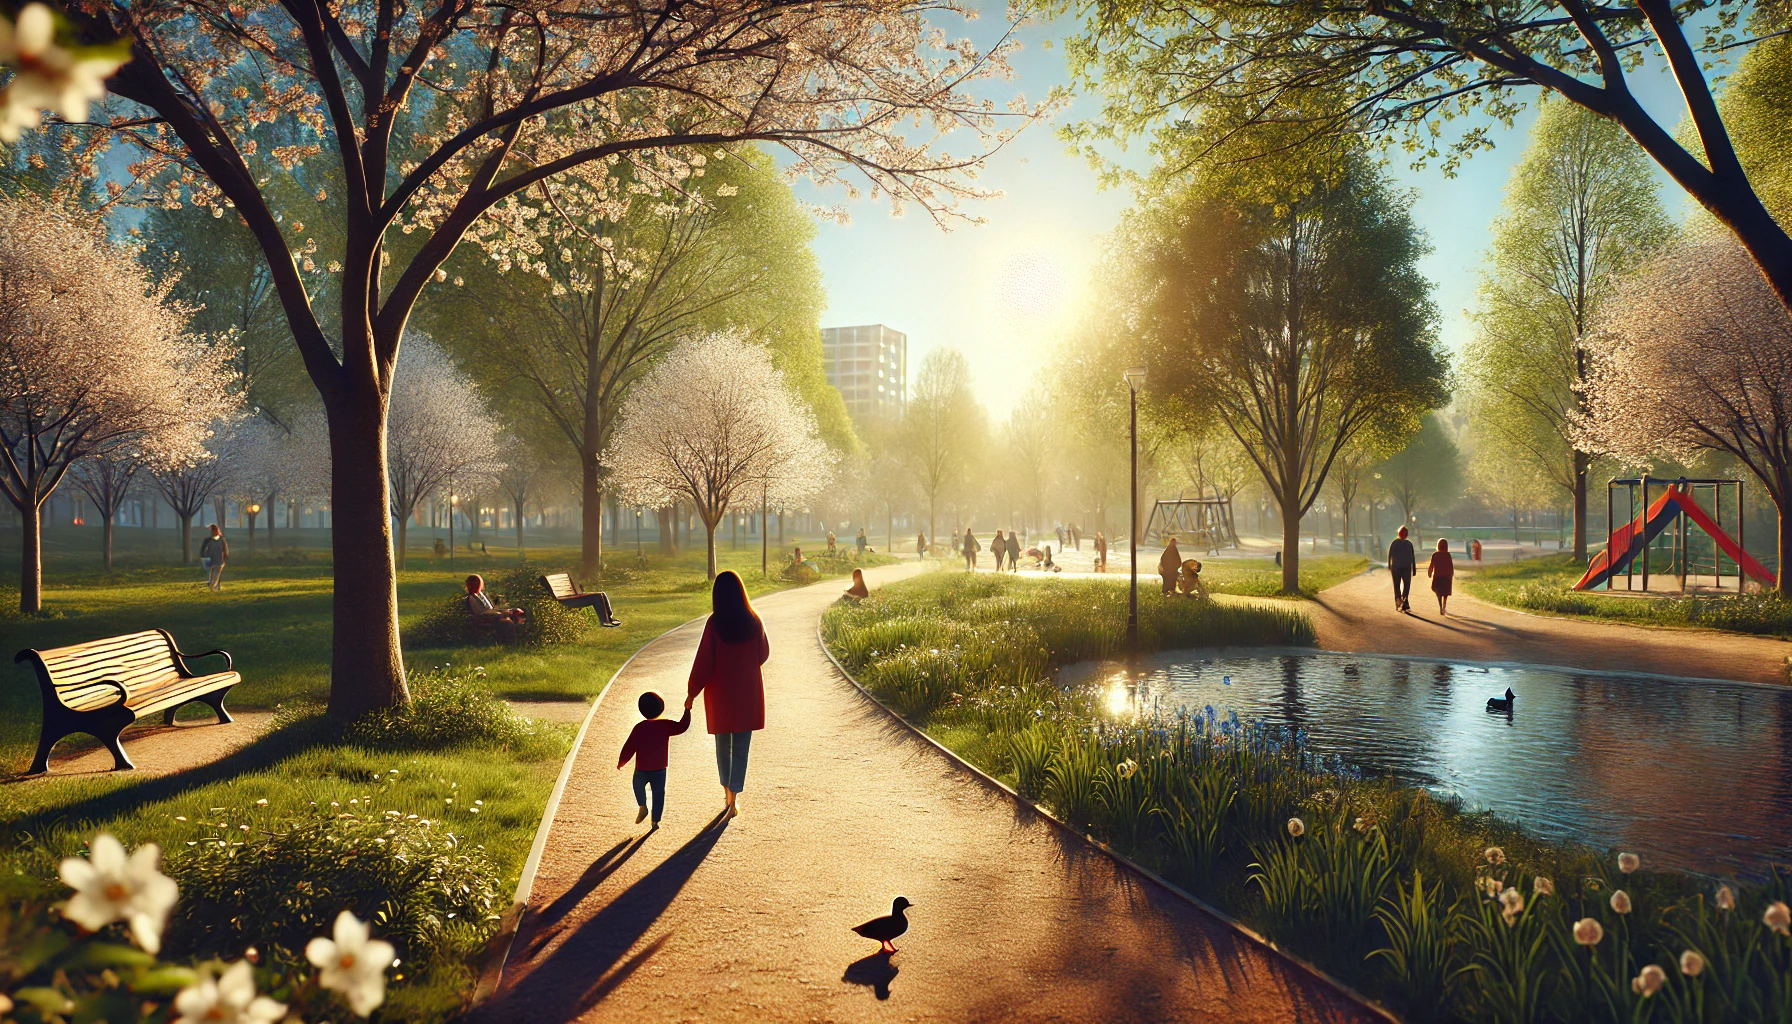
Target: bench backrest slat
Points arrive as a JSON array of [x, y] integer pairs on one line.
[[560, 585], [137, 660]]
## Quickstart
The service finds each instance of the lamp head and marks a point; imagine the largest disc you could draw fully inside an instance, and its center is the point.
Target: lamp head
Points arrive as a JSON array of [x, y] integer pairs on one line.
[[254, 508], [1135, 377]]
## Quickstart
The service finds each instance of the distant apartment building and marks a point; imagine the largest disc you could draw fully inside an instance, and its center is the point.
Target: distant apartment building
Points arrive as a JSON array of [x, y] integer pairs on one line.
[[869, 367]]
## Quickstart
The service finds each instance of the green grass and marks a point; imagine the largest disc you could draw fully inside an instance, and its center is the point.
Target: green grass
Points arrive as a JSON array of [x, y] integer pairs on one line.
[[1262, 577], [1546, 585], [1383, 885], [273, 616]]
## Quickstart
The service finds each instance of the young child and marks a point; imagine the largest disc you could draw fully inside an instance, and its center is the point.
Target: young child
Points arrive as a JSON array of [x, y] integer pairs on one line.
[[647, 745]]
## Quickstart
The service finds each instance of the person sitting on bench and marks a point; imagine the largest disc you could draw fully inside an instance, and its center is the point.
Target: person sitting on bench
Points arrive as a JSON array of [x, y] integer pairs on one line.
[[595, 599], [484, 613]]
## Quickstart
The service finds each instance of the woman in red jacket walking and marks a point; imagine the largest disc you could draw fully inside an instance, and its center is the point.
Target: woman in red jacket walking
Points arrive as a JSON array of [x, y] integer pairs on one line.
[[726, 673]]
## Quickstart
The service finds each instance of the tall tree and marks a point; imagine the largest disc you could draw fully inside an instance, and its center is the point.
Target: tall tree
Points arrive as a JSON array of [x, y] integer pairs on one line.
[[1263, 69], [1027, 452], [93, 359], [1425, 473], [625, 280], [439, 118], [716, 425], [942, 435], [1697, 357], [1581, 209], [439, 432], [106, 479], [1285, 297]]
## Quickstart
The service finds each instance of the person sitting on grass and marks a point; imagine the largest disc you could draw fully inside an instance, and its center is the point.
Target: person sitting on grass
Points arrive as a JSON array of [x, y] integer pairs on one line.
[[484, 613], [648, 744], [858, 591]]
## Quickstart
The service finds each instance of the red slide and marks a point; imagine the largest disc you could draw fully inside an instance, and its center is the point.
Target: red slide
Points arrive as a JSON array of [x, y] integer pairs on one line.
[[1628, 540]]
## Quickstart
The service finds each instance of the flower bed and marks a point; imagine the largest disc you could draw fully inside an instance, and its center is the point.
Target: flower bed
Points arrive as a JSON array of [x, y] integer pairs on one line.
[[1443, 914]]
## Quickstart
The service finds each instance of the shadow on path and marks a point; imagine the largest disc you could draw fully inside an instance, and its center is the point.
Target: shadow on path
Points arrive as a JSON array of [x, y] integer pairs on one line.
[[875, 972], [593, 959]]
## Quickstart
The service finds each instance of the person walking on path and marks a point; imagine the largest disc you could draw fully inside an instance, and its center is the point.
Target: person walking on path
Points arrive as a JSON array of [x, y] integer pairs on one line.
[[970, 549], [1474, 550], [647, 744], [1076, 536], [998, 548], [1168, 565], [213, 553], [860, 541], [1403, 563], [920, 545], [1101, 551], [831, 550], [1014, 543], [726, 672], [1442, 571]]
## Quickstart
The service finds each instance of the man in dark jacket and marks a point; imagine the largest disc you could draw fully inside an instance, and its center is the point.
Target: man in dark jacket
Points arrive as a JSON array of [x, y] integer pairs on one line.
[[1402, 564]]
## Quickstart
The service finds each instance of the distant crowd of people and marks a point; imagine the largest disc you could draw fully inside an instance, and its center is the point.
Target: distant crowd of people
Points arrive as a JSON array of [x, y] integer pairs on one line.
[[1008, 548]]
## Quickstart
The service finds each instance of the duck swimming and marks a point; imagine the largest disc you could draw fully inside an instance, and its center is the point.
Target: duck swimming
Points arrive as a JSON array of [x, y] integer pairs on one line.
[[886, 929], [1502, 704]]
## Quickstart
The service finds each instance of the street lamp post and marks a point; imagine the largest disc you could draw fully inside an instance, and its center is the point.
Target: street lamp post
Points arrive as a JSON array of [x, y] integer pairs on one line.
[[638, 556], [1135, 379], [252, 509]]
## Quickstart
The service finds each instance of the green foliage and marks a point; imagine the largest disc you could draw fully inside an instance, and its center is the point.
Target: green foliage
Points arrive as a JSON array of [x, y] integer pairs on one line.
[[448, 707], [1546, 585], [1427, 472], [545, 622], [1401, 895]]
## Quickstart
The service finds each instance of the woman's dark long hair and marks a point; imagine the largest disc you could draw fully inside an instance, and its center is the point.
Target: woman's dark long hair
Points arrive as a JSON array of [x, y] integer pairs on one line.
[[733, 614]]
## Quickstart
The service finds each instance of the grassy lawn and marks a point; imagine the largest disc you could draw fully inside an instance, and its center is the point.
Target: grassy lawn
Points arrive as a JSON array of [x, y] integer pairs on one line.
[[1262, 577], [1545, 585], [273, 616]]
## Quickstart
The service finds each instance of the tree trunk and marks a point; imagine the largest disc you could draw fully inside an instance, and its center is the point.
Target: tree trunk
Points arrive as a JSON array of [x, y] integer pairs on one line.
[[1291, 547], [591, 520], [106, 542], [404, 523], [1581, 465], [31, 566], [709, 532], [521, 553], [366, 665], [186, 539]]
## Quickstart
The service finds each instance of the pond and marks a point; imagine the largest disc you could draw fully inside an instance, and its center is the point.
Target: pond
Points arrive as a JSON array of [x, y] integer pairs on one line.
[[1692, 774]]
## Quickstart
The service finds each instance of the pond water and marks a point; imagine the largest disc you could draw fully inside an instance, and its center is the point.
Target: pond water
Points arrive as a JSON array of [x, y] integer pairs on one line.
[[1691, 774]]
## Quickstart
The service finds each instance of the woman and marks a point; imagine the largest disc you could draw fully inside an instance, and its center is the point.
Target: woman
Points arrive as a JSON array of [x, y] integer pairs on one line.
[[970, 548], [727, 674], [504, 621], [1168, 565], [1442, 571], [999, 548], [920, 545], [1101, 552], [858, 591], [213, 553]]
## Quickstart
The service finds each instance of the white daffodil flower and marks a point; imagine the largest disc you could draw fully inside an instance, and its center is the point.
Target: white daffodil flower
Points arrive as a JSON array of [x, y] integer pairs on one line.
[[47, 76], [353, 964], [113, 887], [229, 999]]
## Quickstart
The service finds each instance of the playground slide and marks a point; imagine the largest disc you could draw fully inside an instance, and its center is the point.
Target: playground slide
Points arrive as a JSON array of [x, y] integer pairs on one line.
[[1628, 540]]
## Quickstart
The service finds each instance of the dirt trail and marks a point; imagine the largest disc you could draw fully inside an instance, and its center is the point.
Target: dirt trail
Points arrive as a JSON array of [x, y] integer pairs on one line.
[[843, 811]]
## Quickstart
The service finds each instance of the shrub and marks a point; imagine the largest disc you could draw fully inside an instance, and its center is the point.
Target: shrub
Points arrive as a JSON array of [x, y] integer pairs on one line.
[[448, 707], [546, 622]]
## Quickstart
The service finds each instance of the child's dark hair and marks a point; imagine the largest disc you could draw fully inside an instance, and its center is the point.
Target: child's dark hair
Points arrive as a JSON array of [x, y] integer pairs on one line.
[[650, 704]]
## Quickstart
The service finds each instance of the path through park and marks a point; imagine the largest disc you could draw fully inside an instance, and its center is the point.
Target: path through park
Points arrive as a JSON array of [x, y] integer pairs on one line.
[[844, 810], [1359, 615]]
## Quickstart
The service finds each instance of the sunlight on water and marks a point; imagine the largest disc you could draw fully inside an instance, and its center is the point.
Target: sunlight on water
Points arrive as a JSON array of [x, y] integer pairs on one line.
[[1692, 774]]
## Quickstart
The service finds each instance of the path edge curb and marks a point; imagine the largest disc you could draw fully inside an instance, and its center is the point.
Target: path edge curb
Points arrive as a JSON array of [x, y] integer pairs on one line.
[[1121, 859], [501, 944]]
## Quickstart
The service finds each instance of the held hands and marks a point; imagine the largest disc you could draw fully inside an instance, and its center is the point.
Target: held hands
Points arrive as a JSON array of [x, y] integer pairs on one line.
[[689, 700]]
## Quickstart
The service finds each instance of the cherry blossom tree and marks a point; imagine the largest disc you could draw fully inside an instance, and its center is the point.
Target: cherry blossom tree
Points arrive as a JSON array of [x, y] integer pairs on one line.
[[716, 426], [1695, 355], [436, 119], [438, 430], [106, 480], [94, 360], [191, 478]]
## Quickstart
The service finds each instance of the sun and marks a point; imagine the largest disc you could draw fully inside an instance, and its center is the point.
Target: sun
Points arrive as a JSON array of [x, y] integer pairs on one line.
[[1032, 285]]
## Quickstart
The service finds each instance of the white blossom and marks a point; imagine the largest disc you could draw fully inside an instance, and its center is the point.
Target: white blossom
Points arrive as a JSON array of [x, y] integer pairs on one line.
[[227, 999], [1620, 902], [1543, 886], [1588, 931], [1494, 855], [1297, 827], [1629, 862], [1726, 898], [1649, 981], [47, 76], [352, 963], [1778, 917], [111, 886], [1692, 964]]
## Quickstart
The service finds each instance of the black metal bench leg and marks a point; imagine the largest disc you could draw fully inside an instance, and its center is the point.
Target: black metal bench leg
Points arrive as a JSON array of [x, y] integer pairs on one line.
[[41, 763], [215, 701], [119, 761]]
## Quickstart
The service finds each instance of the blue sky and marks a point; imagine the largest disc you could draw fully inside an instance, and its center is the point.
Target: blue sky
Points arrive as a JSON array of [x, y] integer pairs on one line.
[[1003, 292]]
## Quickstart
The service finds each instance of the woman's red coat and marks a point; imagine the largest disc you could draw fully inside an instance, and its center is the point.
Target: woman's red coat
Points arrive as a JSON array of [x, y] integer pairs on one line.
[[728, 677]]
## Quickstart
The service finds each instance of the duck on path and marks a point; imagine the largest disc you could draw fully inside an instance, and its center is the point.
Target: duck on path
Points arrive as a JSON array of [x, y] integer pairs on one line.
[[886, 929], [1501, 704]]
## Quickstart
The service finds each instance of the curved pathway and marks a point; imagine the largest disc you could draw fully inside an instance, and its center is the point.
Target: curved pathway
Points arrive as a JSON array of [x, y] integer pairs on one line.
[[843, 811], [1358, 615]]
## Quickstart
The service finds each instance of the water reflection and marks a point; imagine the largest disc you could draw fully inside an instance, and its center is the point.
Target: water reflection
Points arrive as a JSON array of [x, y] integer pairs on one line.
[[1691, 774]]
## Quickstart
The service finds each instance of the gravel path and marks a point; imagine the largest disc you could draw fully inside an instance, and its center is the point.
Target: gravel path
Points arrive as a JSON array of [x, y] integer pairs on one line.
[[1359, 615], [843, 811]]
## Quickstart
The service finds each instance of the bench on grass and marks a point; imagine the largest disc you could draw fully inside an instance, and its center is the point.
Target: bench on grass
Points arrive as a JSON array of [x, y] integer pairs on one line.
[[101, 686], [571, 596]]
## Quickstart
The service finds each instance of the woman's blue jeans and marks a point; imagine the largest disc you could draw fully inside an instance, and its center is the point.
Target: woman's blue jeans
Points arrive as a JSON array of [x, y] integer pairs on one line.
[[731, 758]]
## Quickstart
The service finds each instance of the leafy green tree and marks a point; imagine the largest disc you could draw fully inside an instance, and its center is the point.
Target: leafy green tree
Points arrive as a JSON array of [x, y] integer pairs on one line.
[[1425, 473], [1284, 296], [944, 434], [1581, 210], [1265, 69], [622, 282]]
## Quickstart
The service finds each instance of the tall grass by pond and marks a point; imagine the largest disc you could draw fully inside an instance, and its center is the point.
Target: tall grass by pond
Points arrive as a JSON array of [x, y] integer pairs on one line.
[[1443, 914]]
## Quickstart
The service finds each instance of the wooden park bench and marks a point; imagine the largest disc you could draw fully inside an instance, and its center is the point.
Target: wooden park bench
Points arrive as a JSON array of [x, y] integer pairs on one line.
[[571, 596], [101, 686]]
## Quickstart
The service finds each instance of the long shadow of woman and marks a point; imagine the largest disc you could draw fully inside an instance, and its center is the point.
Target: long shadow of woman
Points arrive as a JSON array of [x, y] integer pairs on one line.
[[875, 971]]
